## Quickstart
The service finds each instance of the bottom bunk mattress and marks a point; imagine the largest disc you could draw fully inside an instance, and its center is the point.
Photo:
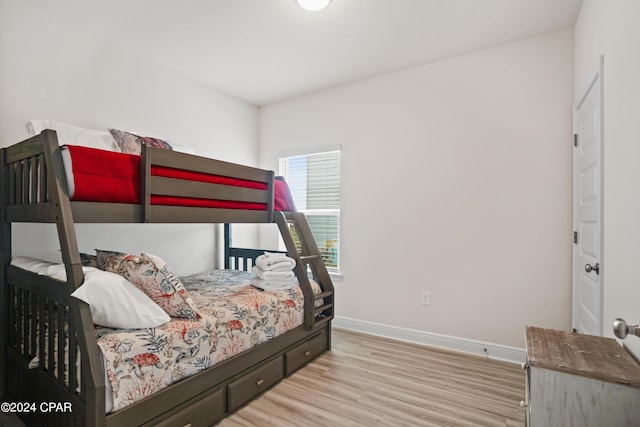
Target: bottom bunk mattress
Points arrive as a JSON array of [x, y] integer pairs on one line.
[[235, 317]]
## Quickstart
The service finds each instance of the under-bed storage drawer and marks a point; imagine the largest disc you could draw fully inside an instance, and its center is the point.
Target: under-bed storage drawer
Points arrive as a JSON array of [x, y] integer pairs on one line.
[[253, 383], [303, 353], [203, 412]]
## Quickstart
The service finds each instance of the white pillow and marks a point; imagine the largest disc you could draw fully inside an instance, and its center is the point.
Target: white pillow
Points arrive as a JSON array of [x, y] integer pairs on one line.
[[117, 303], [183, 149], [31, 264], [114, 301], [73, 135]]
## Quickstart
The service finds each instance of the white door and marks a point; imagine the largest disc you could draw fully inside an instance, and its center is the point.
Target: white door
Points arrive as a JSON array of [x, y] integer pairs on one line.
[[587, 208]]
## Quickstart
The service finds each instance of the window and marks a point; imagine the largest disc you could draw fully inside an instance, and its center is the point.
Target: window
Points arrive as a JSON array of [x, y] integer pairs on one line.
[[314, 180]]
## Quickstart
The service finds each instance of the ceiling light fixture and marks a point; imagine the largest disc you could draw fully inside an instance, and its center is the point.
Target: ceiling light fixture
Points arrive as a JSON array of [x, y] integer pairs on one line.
[[313, 5]]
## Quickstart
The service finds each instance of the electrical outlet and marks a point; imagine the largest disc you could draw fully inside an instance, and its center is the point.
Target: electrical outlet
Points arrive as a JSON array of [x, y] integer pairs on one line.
[[426, 298]]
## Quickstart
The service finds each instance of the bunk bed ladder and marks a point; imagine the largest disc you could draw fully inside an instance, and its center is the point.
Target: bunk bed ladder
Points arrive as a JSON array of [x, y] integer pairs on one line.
[[308, 257]]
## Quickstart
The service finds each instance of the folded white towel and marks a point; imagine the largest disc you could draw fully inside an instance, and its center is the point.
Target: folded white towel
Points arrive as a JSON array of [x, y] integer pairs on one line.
[[275, 262], [283, 264], [272, 275], [274, 255], [274, 285]]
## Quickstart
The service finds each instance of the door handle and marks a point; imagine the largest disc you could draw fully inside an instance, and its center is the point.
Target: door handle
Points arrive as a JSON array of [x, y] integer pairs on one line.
[[589, 268], [621, 329]]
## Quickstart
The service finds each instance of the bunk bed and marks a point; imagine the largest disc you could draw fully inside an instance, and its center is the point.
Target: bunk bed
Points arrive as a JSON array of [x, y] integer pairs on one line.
[[42, 323]]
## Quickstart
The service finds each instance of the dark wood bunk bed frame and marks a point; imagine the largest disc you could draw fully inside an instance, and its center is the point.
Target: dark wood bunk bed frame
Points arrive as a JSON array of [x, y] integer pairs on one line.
[[37, 310]]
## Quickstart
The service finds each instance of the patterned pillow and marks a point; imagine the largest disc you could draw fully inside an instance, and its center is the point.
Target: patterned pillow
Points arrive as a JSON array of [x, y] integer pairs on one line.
[[88, 260], [131, 143], [108, 260], [154, 277]]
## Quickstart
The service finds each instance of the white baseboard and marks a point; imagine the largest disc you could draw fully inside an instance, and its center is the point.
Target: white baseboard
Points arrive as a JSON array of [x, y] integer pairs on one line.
[[493, 351]]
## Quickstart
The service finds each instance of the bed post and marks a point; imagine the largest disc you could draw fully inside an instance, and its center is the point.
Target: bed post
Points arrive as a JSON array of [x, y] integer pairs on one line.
[[5, 259], [145, 183], [227, 245], [64, 217], [93, 387]]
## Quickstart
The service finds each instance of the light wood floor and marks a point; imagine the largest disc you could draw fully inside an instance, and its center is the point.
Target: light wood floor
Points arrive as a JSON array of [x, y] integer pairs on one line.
[[368, 381]]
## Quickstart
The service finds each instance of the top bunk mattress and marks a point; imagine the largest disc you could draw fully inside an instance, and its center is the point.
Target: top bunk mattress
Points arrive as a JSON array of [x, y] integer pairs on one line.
[[95, 175]]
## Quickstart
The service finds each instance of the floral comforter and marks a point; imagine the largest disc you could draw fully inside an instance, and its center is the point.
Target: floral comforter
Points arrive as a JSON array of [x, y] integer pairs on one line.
[[235, 317]]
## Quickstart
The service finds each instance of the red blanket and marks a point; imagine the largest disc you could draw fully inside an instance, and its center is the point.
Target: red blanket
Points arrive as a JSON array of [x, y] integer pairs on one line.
[[112, 177]]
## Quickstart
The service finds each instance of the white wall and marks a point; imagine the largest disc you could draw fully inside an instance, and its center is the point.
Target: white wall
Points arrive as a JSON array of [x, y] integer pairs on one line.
[[54, 69], [456, 180], [612, 28]]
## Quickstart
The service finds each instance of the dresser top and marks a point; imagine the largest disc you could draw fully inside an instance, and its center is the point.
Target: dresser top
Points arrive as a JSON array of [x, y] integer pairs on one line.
[[578, 354]]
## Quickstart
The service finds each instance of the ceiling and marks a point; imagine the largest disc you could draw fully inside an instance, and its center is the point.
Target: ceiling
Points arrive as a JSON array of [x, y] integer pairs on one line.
[[264, 51]]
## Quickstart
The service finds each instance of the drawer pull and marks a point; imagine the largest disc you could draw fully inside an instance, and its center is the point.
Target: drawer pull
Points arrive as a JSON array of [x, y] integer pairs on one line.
[[187, 425], [308, 352], [259, 382], [523, 404]]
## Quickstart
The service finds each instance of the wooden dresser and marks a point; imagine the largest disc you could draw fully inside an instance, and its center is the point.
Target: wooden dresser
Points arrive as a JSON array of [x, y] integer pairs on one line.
[[580, 380]]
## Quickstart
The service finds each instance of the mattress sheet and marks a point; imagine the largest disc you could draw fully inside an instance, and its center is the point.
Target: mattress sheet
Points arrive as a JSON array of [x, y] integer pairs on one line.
[[95, 175], [236, 317]]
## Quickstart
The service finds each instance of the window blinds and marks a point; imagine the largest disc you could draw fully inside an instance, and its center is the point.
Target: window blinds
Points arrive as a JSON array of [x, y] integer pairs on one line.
[[314, 180]]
